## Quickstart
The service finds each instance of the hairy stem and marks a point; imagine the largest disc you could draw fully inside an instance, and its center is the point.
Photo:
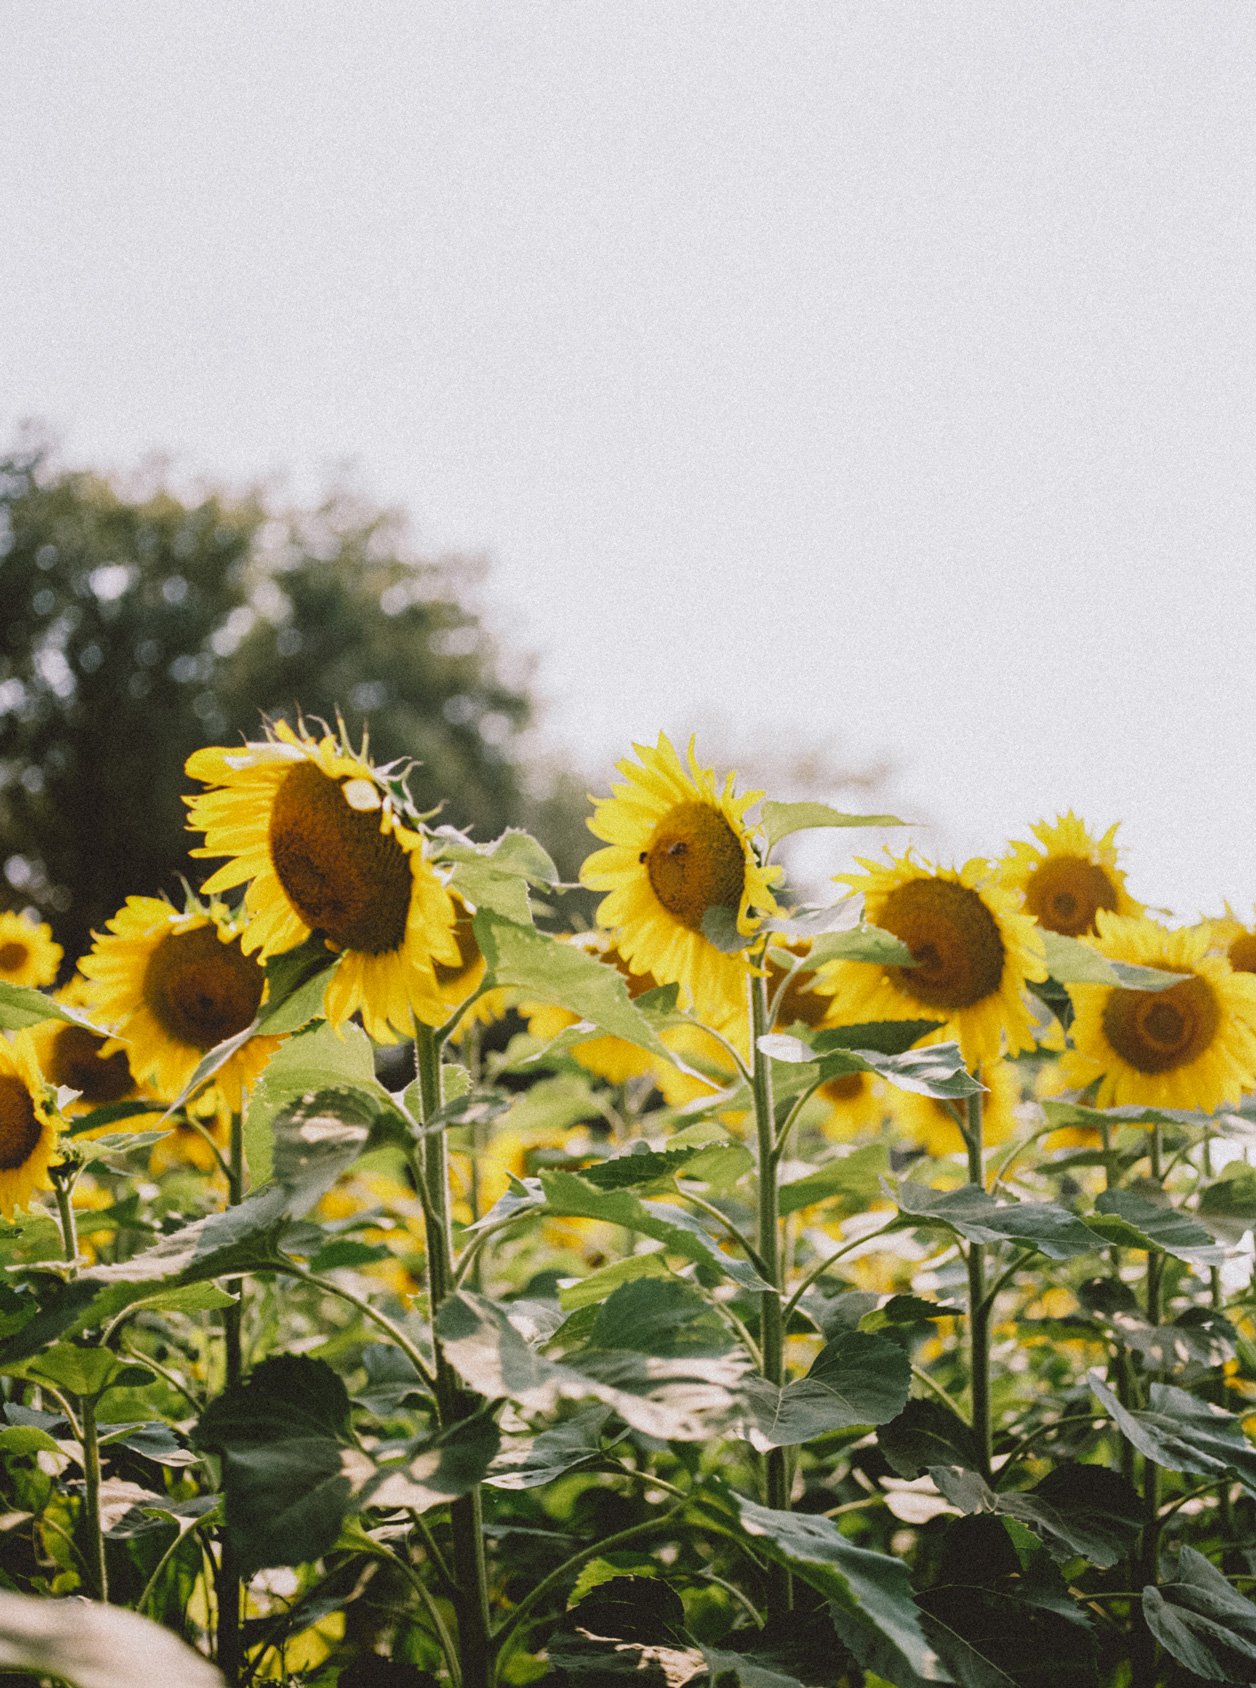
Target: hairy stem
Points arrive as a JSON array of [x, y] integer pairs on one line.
[[91, 1497], [980, 1307]]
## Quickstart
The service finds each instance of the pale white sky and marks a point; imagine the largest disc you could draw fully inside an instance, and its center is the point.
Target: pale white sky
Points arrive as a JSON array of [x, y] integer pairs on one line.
[[874, 371]]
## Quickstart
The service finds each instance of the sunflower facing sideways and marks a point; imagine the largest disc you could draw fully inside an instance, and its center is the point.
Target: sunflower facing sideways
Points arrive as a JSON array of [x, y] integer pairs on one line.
[[1065, 883], [1192, 1045], [317, 834], [171, 986], [972, 951], [678, 848], [74, 1056], [28, 955], [28, 1125]]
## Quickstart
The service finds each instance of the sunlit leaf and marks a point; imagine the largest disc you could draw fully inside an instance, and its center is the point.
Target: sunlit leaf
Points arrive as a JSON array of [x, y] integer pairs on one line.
[[856, 1378], [1183, 1433], [780, 819], [315, 1060], [1071, 962], [93, 1646], [553, 1453], [1128, 1220], [976, 1215]]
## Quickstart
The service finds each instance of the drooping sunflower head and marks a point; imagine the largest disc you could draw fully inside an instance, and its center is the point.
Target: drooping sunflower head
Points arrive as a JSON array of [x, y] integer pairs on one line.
[[171, 986], [28, 955], [1192, 1045], [972, 954], [28, 1124], [73, 1056], [679, 848], [1070, 879], [318, 834]]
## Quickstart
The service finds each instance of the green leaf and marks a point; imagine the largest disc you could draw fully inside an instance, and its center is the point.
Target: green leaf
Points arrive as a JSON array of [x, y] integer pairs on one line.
[[319, 1136], [996, 1638], [566, 975], [856, 1378], [1061, 1114], [311, 1061], [1228, 1208], [937, 1070], [241, 1239], [569, 1195], [486, 889], [1201, 1336], [640, 1165], [630, 1624], [926, 1434], [672, 1399], [604, 1570], [1183, 1433], [25, 1439], [1079, 1509], [1071, 962], [871, 1597], [882, 1037], [598, 1285], [974, 1214], [854, 1178], [391, 1380], [720, 928], [1203, 1622], [89, 1645], [553, 1453], [515, 852], [83, 1371], [297, 1009], [348, 1251], [861, 943], [780, 819], [908, 1310], [728, 1668], [21, 1006], [441, 1468], [1131, 1221], [663, 1316]]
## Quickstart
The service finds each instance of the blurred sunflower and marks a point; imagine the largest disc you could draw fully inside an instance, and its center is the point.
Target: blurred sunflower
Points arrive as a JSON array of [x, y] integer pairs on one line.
[[860, 1104], [28, 1124], [74, 1056], [172, 986], [1192, 1045], [184, 1145], [611, 1058], [28, 955], [678, 849], [455, 981], [1236, 941], [319, 836], [973, 955], [1064, 884]]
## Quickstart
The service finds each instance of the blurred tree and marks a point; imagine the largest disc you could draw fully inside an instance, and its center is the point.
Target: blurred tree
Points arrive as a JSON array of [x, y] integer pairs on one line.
[[134, 628]]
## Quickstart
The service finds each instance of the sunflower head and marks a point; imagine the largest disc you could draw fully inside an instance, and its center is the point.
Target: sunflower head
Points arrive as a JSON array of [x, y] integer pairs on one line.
[[1192, 1045], [679, 849], [28, 955], [171, 986], [28, 1124], [320, 836], [972, 955], [74, 1056], [1234, 940], [1068, 877]]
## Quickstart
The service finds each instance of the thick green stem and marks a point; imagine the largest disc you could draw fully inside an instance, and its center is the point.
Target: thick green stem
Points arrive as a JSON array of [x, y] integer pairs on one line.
[[980, 1308], [768, 1242], [230, 1655], [453, 1403], [91, 1496]]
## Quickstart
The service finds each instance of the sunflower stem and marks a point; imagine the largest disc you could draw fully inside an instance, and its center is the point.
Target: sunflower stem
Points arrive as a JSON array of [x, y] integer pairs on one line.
[[230, 1656], [980, 1306], [91, 1496], [453, 1403], [768, 1243], [64, 1178]]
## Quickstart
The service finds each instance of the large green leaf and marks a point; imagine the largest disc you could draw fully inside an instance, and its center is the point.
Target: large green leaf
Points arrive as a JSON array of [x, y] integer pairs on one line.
[[566, 975], [515, 852], [883, 1037], [553, 1453], [681, 1399], [856, 1378], [21, 1006], [859, 943], [1077, 1509], [569, 1195], [627, 1627], [1228, 1208], [937, 1070], [641, 1166], [854, 1178], [314, 1060], [663, 1316], [870, 1594], [1203, 1622], [1071, 962], [780, 819], [586, 1292], [88, 1645], [1062, 1115], [1128, 1220], [443, 1467], [974, 1213], [1183, 1433], [926, 1434]]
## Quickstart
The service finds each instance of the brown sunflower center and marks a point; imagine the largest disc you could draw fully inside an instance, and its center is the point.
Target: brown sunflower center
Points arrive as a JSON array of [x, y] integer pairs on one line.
[[341, 873], [1067, 892], [19, 1123], [844, 1089], [76, 1060], [1243, 953], [12, 956], [799, 1004], [1157, 1031], [200, 990], [695, 862], [954, 940]]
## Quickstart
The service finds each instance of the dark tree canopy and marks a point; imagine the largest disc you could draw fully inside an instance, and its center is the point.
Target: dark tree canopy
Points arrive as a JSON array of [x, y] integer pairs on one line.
[[135, 629]]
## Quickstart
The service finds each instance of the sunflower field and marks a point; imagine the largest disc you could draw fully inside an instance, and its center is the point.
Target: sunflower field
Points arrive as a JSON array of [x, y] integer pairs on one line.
[[406, 1285]]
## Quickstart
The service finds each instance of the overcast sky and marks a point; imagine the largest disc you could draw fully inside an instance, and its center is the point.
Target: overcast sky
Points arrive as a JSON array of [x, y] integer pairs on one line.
[[875, 373]]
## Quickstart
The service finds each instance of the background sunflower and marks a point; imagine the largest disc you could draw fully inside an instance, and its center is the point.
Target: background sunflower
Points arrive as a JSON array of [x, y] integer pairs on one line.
[[1070, 879]]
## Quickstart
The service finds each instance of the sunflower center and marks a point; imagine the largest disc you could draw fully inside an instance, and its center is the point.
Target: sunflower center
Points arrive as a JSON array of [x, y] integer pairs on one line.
[[12, 956], [844, 1089], [1158, 1031], [200, 990], [1243, 954], [1066, 893], [340, 872], [76, 1061], [695, 862], [19, 1124], [799, 1003], [953, 938]]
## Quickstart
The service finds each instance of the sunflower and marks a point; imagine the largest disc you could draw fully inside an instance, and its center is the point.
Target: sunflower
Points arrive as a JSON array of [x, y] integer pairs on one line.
[[171, 986], [74, 1056], [28, 1125], [678, 849], [1190, 1046], [28, 955], [611, 1058], [319, 834], [1236, 941], [1066, 883], [973, 954]]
